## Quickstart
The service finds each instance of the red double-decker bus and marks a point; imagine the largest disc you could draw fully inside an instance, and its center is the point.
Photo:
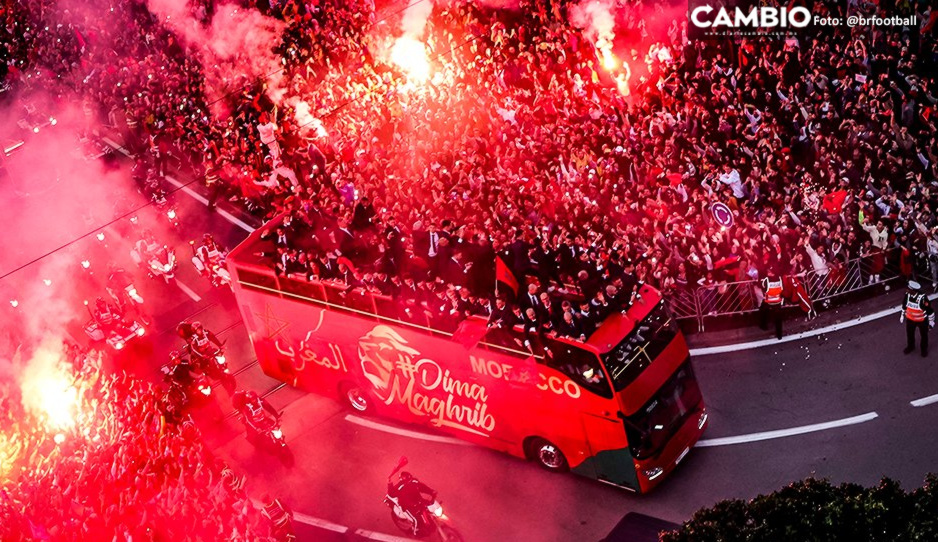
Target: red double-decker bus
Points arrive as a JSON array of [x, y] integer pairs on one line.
[[623, 407]]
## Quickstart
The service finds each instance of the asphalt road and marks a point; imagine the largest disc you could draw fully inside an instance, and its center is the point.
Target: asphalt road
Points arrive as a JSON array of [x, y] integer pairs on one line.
[[338, 480]]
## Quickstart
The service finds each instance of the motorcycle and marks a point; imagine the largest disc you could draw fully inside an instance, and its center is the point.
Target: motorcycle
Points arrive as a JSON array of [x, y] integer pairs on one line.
[[118, 336], [215, 365], [190, 383], [429, 516], [263, 431], [124, 293], [215, 271], [160, 262]]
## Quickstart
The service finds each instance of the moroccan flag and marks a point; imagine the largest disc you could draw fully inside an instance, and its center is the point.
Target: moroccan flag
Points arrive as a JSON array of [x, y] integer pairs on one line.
[[504, 274], [794, 291], [834, 202], [470, 332]]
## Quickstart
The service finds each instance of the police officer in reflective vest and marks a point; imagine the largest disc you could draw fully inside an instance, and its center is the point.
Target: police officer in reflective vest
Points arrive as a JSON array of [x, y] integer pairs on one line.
[[772, 302], [917, 313]]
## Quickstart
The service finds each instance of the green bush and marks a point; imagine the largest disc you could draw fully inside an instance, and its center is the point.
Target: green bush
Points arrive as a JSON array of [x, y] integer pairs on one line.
[[816, 511]]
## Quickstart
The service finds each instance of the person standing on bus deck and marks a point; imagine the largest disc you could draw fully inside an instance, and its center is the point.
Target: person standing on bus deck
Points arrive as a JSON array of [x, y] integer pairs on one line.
[[772, 302], [917, 313]]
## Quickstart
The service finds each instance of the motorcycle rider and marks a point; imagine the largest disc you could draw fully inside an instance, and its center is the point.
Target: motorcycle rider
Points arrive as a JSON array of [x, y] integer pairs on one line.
[[210, 260], [410, 492], [150, 255], [147, 246], [200, 341], [210, 252], [253, 408], [280, 517], [106, 315], [204, 347]]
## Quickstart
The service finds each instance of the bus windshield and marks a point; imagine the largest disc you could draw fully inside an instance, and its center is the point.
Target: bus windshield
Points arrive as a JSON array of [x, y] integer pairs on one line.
[[649, 338], [652, 426]]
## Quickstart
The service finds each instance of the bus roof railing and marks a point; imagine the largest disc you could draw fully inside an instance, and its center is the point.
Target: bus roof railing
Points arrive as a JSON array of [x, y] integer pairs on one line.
[[257, 273]]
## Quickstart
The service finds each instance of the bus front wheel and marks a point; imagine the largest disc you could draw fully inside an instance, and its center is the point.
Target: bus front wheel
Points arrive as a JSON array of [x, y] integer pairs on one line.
[[357, 399], [547, 455]]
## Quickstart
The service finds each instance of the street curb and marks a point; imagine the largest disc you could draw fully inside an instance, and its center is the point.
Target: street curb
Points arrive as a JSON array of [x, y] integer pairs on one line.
[[736, 347]]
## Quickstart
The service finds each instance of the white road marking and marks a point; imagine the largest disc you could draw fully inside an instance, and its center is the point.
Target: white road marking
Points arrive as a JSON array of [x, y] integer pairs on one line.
[[188, 291], [781, 433], [204, 201], [195, 195], [925, 401], [336, 528], [319, 522], [116, 146], [403, 432], [803, 335], [381, 536]]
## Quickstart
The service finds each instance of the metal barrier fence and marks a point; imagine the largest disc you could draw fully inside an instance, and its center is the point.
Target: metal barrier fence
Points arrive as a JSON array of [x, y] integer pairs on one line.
[[737, 298]]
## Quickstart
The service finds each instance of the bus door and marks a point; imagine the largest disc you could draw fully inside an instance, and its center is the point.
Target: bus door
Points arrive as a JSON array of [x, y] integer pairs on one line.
[[611, 459]]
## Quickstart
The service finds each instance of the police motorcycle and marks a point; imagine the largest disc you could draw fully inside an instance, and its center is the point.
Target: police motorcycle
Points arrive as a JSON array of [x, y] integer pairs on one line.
[[121, 288], [262, 424], [209, 261], [187, 383], [157, 260], [108, 324], [415, 508], [207, 352]]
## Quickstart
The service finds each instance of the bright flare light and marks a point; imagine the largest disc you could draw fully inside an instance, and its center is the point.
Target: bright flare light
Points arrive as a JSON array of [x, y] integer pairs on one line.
[[411, 56], [609, 60], [86, 264], [47, 389], [100, 236]]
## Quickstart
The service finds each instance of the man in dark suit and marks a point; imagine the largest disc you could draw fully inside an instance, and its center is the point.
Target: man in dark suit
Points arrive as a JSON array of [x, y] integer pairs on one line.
[[532, 298], [345, 239], [569, 327], [501, 316], [364, 212], [453, 271], [326, 266]]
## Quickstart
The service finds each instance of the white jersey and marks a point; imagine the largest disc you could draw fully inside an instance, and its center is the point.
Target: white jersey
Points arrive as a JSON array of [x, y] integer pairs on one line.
[[266, 132]]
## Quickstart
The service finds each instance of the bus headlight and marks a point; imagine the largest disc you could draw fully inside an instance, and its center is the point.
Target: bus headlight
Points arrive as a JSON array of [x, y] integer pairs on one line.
[[703, 420], [651, 474]]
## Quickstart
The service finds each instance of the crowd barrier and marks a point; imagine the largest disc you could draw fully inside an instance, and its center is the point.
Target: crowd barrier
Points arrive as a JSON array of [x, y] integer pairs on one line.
[[866, 275]]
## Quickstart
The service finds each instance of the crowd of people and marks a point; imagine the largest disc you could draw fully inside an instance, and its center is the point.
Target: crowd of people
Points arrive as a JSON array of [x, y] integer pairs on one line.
[[524, 145], [115, 468]]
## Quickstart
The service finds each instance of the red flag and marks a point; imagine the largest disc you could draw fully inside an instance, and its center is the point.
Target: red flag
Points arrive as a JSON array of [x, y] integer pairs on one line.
[[503, 274], [834, 202], [470, 332], [795, 292]]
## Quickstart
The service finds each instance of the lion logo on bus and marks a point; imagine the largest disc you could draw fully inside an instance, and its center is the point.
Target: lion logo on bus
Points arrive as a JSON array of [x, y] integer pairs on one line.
[[399, 373], [380, 351]]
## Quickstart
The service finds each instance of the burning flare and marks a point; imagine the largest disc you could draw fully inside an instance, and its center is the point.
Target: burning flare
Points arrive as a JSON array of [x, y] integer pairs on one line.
[[411, 56], [47, 388]]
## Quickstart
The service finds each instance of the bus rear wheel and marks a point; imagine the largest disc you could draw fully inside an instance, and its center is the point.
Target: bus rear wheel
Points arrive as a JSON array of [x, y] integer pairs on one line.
[[547, 455], [357, 398]]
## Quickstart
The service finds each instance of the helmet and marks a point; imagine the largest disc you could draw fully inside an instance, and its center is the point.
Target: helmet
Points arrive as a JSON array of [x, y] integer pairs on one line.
[[406, 476], [100, 302], [197, 326], [207, 237], [914, 286]]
